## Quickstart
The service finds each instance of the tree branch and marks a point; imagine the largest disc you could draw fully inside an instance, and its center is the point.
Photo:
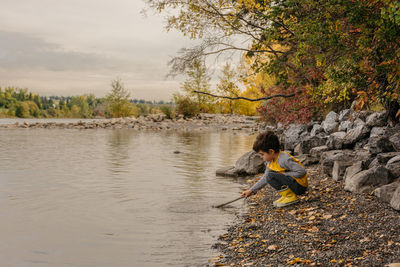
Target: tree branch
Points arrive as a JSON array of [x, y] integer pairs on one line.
[[248, 99]]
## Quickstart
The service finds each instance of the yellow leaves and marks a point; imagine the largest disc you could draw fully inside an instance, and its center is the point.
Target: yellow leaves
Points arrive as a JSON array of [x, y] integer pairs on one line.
[[241, 250], [327, 216], [298, 260], [273, 247]]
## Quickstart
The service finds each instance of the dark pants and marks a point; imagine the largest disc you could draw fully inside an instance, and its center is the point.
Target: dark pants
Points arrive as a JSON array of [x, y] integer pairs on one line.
[[278, 180]]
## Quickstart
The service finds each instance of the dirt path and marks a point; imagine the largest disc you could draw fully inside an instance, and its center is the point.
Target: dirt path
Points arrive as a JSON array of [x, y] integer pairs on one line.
[[330, 227]]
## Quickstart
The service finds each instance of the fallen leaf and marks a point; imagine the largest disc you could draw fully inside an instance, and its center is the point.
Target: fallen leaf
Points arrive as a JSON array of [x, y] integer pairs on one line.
[[327, 216], [273, 247]]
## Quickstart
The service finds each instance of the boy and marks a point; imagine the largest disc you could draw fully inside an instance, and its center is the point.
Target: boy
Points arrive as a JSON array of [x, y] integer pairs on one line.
[[283, 172]]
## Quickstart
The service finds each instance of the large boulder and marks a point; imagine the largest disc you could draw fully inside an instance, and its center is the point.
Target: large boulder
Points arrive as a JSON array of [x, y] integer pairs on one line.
[[386, 192], [379, 144], [330, 124], [344, 126], [393, 165], [382, 159], [377, 119], [291, 136], [356, 134], [339, 169], [316, 129], [309, 142], [395, 141], [377, 131], [227, 171], [317, 151], [353, 170], [365, 180], [395, 201], [249, 164], [335, 140], [329, 157]]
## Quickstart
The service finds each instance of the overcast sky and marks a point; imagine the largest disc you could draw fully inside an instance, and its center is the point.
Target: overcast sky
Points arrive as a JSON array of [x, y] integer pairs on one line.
[[70, 47]]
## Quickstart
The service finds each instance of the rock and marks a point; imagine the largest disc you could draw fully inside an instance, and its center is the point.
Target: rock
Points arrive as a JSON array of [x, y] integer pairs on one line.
[[227, 171], [345, 114], [385, 157], [292, 134], [395, 141], [395, 201], [393, 165], [317, 129], [353, 169], [377, 119], [356, 134], [365, 180], [362, 115], [330, 124], [335, 140], [385, 193], [344, 126], [249, 164], [309, 142], [307, 159], [329, 157], [339, 168], [379, 144], [317, 151], [357, 122], [376, 131]]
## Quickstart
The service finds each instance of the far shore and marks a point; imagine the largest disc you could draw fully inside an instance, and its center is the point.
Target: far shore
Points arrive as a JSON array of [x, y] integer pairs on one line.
[[201, 122]]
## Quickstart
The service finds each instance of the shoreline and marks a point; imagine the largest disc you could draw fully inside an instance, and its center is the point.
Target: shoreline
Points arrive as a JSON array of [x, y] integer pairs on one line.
[[158, 122], [329, 227]]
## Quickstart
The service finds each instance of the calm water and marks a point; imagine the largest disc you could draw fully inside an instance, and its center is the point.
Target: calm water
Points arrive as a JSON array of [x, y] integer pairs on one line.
[[114, 197]]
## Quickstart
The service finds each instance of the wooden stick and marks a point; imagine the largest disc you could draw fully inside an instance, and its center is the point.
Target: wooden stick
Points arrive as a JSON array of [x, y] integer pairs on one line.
[[223, 204]]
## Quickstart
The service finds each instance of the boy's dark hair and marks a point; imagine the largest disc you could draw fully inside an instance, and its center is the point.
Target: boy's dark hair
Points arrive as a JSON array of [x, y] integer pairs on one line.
[[265, 141]]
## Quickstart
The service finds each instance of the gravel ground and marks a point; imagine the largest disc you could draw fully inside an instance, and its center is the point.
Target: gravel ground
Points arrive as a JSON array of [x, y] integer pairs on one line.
[[329, 227]]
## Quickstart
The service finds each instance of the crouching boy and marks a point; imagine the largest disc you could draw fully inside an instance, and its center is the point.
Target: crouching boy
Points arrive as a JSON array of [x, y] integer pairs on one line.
[[283, 172]]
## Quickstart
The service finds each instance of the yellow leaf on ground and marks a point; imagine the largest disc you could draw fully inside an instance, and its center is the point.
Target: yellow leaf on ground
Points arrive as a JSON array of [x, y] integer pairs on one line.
[[272, 247]]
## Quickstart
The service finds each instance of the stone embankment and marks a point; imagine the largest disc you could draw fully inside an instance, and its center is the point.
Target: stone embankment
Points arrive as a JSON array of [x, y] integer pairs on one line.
[[360, 148], [156, 122]]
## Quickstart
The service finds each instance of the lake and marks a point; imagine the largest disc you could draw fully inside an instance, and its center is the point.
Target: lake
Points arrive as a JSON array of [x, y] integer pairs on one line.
[[115, 197]]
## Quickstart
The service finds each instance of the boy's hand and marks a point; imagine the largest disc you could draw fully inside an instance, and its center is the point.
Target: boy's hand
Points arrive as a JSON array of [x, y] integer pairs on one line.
[[247, 193]]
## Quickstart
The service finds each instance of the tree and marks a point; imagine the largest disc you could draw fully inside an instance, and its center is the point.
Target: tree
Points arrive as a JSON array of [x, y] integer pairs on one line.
[[327, 52], [118, 101], [198, 80], [227, 86]]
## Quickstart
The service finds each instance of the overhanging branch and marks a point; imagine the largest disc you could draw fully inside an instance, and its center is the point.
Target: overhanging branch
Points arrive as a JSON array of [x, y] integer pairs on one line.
[[248, 99]]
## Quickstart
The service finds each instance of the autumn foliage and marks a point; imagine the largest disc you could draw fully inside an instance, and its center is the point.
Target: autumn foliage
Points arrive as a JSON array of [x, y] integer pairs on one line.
[[330, 52]]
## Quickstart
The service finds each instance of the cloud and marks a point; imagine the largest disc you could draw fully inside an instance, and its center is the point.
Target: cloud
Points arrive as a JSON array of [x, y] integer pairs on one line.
[[22, 51]]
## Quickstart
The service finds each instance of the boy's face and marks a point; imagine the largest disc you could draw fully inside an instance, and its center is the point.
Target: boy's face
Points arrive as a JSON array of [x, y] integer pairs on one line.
[[267, 156]]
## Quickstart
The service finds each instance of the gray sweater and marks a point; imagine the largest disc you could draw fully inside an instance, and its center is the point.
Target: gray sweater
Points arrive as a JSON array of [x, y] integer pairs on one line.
[[286, 165]]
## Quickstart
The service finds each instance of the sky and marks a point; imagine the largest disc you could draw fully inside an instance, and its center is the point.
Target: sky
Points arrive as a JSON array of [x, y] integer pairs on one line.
[[74, 47]]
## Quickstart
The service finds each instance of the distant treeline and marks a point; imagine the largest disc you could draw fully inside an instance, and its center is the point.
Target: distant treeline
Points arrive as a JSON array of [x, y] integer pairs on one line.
[[18, 102]]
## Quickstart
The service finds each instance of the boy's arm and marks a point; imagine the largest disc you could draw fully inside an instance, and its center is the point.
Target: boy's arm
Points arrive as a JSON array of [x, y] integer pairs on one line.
[[293, 169], [261, 183]]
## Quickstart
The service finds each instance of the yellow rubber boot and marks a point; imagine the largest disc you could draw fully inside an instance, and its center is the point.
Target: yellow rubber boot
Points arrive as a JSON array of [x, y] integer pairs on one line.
[[275, 203], [289, 198]]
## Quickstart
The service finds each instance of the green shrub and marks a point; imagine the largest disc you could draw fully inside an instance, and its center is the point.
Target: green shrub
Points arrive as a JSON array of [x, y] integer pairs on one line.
[[168, 111], [22, 110], [186, 106]]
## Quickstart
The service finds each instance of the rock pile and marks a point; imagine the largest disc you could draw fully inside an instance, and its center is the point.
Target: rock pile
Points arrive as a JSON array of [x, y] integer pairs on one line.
[[357, 147], [155, 122], [360, 148]]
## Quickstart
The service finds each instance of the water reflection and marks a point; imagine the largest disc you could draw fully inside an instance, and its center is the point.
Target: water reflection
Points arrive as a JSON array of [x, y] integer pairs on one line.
[[118, 150], [113, 198]]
